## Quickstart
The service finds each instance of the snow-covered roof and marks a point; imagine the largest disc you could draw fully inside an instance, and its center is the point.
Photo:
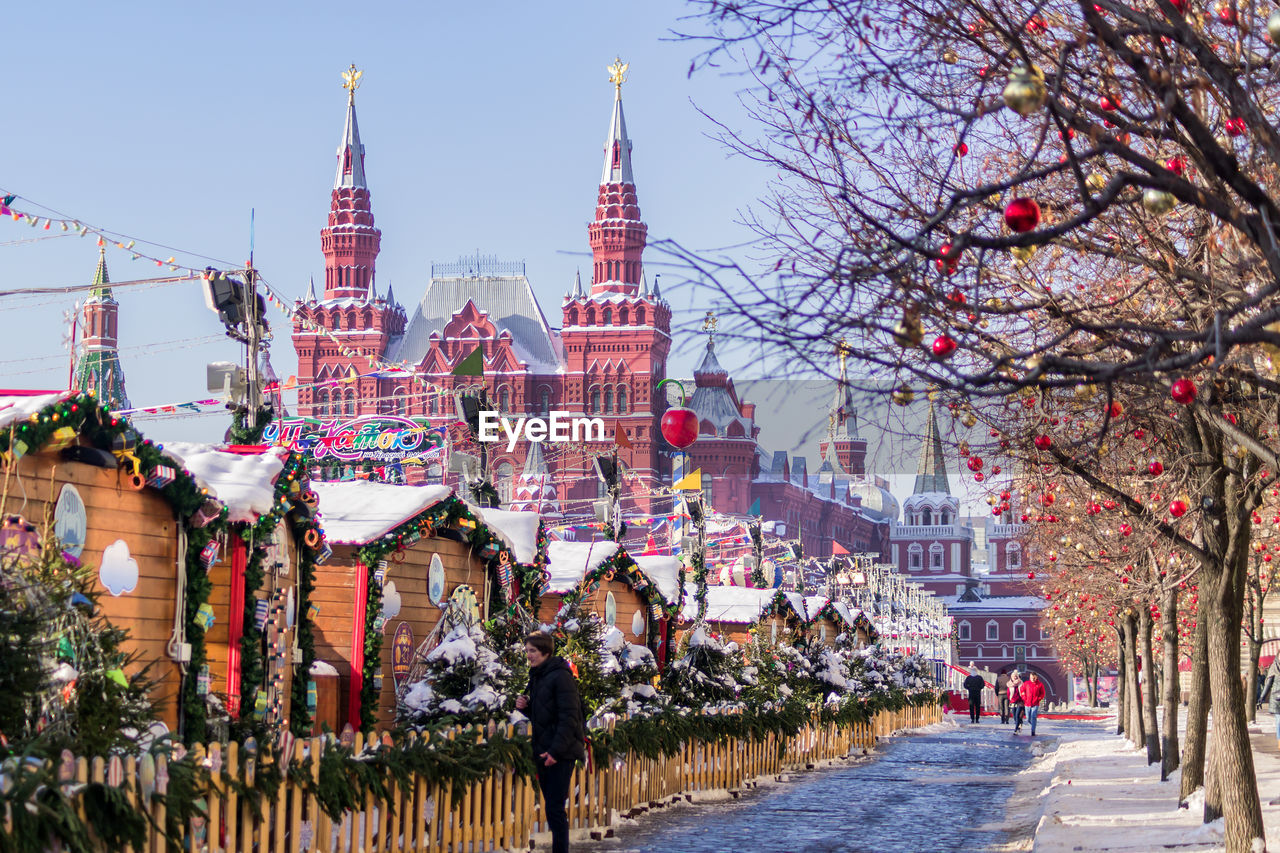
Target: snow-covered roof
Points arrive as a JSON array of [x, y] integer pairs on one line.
[[1007, 603], [813, 604], [569, 562], [738, 605], [243, 482], [518, 530], [663, 571], [851, 615], [19, 407], [356, 512]]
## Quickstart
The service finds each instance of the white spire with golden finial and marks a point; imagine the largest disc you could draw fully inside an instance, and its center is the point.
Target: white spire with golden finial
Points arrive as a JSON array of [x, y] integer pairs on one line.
[[350, 149], [617, 147]]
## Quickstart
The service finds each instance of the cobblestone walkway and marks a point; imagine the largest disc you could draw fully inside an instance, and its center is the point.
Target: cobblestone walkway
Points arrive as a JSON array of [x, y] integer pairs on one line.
[[931, 792]]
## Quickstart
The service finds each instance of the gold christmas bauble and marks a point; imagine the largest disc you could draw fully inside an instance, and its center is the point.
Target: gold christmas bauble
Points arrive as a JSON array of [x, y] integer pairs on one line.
[[908, 333], [1025, 92], [1158, 202], [1095, 182], [1022, 254], [903, 396], [1273, 27]]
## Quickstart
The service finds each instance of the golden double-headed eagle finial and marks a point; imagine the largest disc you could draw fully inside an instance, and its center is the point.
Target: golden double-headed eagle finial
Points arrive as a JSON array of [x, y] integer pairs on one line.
[[351, 80], [618, 72]]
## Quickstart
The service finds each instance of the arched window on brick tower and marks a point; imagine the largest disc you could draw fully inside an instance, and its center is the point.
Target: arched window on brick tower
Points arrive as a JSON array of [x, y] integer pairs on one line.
[[544, 400], [400, 401], [608, 400], [622, 399], [504, 399], [349, 404], [606, 317], [593, 405], [322, 403]]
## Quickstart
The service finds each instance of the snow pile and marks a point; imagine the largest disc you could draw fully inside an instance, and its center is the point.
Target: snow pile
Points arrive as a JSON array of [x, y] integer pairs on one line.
[[356, 512], [663, 571], [19, 407], [243, 482]]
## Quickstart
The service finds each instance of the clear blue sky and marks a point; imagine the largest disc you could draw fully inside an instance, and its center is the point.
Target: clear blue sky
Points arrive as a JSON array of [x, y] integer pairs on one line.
[[483, 125]]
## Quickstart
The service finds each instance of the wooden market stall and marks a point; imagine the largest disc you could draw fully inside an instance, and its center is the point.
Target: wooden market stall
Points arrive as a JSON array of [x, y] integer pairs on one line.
[[732, 611], [124, 513], [259, 572], [604, 580], [406, 552], [829, 619]]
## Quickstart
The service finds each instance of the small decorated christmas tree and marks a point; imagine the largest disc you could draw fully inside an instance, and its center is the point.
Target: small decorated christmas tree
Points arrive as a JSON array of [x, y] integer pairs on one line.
[[65, 678], [464, 681], [706, 673]]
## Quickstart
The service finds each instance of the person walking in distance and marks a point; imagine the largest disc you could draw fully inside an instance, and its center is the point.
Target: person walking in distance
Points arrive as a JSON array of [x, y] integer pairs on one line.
[[555, 710], [974, 684], [1014, 692], [1271, 693], [1032, 696], [1002, 694]]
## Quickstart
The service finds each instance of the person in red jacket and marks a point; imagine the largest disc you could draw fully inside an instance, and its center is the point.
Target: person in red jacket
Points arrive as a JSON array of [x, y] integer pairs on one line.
[[1032, 694]]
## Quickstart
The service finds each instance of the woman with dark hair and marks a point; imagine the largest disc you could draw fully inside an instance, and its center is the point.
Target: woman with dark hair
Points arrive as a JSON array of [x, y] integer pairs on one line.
[[554, 708]]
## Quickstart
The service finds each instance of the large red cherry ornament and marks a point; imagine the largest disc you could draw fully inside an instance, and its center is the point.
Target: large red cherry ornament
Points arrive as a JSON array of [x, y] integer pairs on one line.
[[1022, 215], [1178, 508], [679, 425]]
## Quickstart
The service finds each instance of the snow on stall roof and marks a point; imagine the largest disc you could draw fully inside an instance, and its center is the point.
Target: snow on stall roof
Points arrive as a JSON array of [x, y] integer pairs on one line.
[[813, 604], [796, 600], [19, 407], [356, 512], [518, 530], [243, 482], [851, 615], [663, 571], [569, 562], [740, 605]]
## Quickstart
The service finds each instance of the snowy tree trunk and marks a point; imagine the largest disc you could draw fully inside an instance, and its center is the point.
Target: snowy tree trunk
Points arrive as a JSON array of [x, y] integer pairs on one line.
[[1169, 630], [1193, 755], [1122, 679], [1151, 686], [1133, 703]]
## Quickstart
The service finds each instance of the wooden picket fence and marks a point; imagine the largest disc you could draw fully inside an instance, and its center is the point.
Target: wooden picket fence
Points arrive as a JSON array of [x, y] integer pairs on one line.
[[500, 812]]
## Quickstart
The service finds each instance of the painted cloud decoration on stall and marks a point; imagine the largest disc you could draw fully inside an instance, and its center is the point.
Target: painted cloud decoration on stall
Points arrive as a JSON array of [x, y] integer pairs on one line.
[[119, 571], [390, 601]]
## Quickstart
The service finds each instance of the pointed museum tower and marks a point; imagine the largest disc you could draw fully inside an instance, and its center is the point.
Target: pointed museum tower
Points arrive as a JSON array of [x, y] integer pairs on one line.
[[617, 335], [850, 448], [350, 307], [931, 544], [98, 365]]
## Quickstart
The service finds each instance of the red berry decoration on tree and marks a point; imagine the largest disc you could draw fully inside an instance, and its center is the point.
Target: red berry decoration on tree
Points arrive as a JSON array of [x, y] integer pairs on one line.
[[1109, 103], [975, 463], [1234, 126], [950, 259], [1183, 391], [1177, 508], [1177, 165], [679, 425], [1022, 215], [943, 347], [961, 149], [1155, 468], [1043, 442]]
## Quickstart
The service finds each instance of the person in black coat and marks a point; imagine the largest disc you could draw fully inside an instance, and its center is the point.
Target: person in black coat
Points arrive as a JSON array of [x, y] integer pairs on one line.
[[554, 707], [974, 684], [1002, 694]]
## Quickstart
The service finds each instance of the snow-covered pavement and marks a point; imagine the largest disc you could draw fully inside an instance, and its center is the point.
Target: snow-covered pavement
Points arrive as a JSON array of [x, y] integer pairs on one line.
[[1099, 794]]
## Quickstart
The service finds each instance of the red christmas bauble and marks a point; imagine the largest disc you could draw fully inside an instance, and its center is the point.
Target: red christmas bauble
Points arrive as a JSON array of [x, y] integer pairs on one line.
[[680, 427], [975, 463], [943, 346], [1234, 126], [1043, 442], [1109, 103], [962, 149], [1022, 215], [1155, 468], [1183, 391], [950, 259], [1177, 165]]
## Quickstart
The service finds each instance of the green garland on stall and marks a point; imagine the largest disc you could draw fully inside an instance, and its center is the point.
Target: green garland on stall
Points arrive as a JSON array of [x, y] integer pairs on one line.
[[621, 566], [829, 611], [198, 589], [698, 563], [300, 710], [242, 432]]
